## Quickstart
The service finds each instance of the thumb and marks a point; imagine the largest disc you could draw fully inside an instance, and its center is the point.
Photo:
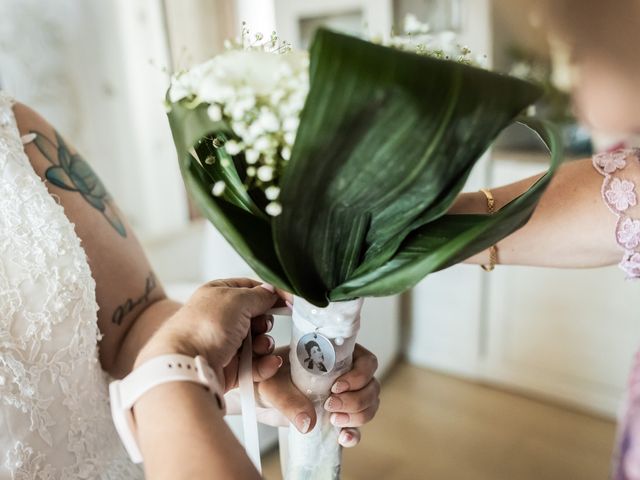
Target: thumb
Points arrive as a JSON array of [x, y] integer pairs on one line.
[[258, 300], [291, 402]]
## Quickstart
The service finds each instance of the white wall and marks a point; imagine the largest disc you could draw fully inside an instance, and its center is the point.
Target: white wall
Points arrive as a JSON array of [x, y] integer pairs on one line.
[[97, 71]]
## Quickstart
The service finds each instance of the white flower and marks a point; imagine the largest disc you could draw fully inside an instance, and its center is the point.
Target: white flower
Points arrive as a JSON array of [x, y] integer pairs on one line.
[[261, 144], [268, 120], [265, 173], [272, 192], [232, 147], [251, 156], [277, 96], [215, 113], [251, 171], [289, 138], [286, 153], [291, 123], [218, 188], [274, 209]]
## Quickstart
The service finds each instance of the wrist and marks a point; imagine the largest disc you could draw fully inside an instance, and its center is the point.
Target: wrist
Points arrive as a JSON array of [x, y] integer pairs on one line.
[[158, 346], [469, 203]]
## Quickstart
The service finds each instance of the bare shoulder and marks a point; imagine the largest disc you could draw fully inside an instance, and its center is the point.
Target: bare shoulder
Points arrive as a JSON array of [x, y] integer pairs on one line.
[[31, 122]]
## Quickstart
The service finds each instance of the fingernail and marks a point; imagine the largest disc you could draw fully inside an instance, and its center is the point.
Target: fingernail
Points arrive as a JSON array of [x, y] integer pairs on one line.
[[303, 422], [338, 419], [289, 304], [345, 437], [340, 386], [333, 404], [269, 325], [272, 344], [266, 286], [280, 361]]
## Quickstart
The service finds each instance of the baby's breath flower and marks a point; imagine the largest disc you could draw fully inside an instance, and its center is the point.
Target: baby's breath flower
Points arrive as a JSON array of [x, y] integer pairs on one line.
[[251, 156], [290, 124], [251, 171], [218, 188], [289, 138], [285, 153], [268, 120], [215, 112], [272, 192], [262, 143], [265, 173], [232, 147], [274, 209]]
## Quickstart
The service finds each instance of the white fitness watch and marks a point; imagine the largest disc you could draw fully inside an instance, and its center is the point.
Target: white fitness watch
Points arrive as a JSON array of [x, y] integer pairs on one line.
[[163, 369]]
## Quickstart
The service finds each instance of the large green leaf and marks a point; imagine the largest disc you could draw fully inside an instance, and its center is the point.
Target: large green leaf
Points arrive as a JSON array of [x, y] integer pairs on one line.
[[385, 143], [453, 238], [248, 234]]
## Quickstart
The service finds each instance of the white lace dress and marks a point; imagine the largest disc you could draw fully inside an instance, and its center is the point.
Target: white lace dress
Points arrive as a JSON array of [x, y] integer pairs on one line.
[[54, 414]]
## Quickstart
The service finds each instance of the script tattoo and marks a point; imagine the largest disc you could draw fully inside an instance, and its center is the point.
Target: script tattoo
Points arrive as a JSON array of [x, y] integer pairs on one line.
[[128, 306], [71, 172]]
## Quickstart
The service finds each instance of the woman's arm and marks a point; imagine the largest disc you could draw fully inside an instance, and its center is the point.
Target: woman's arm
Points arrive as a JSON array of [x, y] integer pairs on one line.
[[131, 300], [194, 442], [571, 227]]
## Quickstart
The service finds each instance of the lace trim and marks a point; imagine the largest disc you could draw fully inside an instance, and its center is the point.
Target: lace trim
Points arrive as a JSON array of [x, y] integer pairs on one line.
[[619, 194]]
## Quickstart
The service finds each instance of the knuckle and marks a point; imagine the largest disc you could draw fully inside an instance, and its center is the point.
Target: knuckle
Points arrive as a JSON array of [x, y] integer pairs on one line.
[[374, 362]]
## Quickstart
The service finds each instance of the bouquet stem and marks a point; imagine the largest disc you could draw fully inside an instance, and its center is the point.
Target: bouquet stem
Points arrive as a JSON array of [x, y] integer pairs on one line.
[[322, 344]]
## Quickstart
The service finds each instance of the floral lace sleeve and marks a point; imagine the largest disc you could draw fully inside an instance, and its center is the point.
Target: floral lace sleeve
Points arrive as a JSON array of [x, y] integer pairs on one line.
[[619, 193]]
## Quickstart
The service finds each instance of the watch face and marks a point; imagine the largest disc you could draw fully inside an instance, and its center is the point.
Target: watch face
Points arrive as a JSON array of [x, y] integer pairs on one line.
[[316, 353]]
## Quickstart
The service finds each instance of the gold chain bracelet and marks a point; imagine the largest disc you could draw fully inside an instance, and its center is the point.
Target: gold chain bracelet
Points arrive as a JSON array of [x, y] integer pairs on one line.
[[493, 250]]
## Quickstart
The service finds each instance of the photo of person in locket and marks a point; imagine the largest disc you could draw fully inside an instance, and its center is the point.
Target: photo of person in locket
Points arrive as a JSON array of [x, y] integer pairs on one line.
[[315, 360]]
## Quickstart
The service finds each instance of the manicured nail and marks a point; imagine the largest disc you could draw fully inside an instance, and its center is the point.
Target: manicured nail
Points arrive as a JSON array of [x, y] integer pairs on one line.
[[340, 386], [266, 286], [333, 404], [338, 419], [280, 361], [289, 304], [346, 437], [303, 422]]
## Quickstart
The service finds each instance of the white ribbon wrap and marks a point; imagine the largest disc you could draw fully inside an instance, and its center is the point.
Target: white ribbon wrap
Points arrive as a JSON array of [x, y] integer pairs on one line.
[[316, 454]]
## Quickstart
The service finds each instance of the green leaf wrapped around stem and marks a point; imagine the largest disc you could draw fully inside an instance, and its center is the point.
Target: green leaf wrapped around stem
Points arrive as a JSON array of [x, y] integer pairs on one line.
[[454, 238], [386, 136]]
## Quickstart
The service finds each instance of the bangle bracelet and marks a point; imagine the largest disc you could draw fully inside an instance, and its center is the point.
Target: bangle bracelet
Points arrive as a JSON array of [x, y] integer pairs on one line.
[[493, 250]]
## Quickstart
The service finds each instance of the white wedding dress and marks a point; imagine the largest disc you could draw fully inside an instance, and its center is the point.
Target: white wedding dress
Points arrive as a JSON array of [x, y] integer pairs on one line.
[[54, 413]]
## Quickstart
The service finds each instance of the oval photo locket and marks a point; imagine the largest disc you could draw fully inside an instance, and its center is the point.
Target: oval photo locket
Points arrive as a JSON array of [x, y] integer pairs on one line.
[[316, 353]]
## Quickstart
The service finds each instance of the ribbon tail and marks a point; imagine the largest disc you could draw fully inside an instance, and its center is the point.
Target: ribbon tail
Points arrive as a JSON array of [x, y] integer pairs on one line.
[[248, 403]]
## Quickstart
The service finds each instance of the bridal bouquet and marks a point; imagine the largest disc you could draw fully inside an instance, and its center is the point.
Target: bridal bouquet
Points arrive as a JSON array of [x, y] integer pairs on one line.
[[332, 173]]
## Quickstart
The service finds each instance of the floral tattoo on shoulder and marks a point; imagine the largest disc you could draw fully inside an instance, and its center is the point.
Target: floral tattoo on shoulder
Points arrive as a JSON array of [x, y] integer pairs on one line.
[[73, 173]]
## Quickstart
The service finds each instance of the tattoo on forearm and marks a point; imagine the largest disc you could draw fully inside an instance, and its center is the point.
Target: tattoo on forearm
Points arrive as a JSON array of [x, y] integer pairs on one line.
[[71, 172], [128, 306]]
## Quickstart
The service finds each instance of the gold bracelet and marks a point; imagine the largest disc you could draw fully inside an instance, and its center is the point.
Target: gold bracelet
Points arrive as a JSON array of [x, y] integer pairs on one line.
[[493, 250]]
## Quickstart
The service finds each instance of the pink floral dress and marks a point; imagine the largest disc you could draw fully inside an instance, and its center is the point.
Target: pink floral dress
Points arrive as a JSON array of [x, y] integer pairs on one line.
[[619, 193]]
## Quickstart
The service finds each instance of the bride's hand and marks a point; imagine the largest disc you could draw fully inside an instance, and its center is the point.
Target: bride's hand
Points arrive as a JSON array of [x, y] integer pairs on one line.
[[214, 322], [353, 402]]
